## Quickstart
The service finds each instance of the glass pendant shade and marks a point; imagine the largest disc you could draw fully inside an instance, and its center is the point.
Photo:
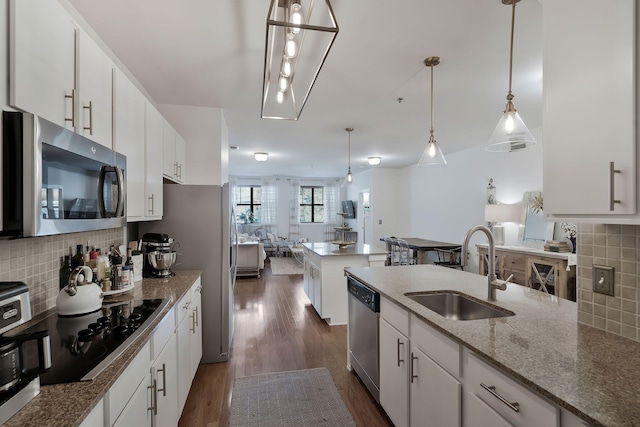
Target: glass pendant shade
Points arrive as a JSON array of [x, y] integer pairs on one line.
[[511, 134], [432, 155]]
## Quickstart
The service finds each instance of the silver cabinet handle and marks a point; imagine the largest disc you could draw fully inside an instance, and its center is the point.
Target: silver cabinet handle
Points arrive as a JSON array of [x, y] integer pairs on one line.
[[90, 108], [152, 207], [175, 169], [154, 397], [186, 305], [180, 170], [164, 380], [192, 329], [515, 406], [612, 195], [197, 317], [412, 359], [400, 344], [73, 108]]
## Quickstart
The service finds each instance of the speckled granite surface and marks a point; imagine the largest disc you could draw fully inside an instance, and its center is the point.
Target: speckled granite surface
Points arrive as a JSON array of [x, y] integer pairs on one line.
[[329, 249], [66, 405], [589, 372]]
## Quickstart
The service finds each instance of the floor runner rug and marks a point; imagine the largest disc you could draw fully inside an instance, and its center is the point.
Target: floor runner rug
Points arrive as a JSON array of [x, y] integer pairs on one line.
[[297, 398], [285, 265]]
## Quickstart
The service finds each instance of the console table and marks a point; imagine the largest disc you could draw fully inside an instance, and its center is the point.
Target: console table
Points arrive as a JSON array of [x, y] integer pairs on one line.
[[533, 266]]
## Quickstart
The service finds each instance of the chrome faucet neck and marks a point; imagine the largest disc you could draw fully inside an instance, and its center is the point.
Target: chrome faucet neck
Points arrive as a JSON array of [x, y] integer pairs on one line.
[[491, 270]]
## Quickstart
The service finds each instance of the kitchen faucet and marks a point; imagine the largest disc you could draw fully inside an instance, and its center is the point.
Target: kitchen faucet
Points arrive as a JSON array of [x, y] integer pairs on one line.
[[492, 282]]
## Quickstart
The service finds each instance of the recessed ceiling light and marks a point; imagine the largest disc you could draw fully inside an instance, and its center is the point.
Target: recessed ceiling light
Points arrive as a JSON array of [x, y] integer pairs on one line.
[[374, 161], [261, 157]]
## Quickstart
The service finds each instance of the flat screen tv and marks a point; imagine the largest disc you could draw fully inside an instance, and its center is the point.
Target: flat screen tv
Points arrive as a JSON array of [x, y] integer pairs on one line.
[[347, 206]]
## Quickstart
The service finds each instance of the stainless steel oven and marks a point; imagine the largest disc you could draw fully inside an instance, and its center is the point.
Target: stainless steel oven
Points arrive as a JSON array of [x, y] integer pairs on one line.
[[55, 181], [364, 309]]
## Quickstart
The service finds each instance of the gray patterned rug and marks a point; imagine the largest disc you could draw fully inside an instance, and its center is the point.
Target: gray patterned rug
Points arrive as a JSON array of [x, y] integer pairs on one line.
[[296, 398]]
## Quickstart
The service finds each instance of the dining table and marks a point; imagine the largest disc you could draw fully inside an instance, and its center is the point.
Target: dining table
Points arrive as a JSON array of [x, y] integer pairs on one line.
[[421, 247]]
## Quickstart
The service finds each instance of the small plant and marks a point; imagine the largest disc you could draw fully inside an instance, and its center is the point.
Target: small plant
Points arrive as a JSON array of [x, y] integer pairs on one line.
[[569, 229], [247, 217]]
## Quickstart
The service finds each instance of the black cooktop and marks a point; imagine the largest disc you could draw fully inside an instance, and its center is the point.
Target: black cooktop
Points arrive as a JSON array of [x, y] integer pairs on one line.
[[83, 346]]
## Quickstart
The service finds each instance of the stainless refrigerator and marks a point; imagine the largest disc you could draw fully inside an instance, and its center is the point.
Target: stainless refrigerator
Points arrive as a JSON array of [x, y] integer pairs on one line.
[[201, 219]]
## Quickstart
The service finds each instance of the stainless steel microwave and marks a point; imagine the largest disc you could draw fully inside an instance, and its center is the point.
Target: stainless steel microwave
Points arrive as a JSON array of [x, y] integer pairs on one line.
[[55, 181]]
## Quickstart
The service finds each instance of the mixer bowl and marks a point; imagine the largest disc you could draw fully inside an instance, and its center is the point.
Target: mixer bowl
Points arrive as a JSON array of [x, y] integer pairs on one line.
[[162, 260]]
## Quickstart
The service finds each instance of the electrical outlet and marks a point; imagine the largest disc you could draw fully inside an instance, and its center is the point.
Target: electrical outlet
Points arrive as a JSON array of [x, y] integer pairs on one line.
[[603, 279]]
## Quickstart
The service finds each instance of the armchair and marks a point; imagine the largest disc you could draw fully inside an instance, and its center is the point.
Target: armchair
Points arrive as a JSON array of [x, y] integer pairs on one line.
[[273, 245]]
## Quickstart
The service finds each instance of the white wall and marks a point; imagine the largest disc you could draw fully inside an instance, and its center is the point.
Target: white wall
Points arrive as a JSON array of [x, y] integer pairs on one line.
[[443, 203], [205, 131]]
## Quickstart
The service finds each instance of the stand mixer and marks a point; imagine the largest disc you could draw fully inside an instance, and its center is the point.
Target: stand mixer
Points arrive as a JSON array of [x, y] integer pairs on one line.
[[159, 256]]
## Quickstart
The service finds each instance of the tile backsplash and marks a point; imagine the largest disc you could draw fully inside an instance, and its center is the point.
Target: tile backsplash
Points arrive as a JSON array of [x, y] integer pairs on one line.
[[617, 246], [36, 261]]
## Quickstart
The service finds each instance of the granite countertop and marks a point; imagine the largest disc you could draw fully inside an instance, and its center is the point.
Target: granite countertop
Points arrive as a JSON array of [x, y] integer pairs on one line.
[[571, 257], [68, 404], [329, 249], [587, 371]]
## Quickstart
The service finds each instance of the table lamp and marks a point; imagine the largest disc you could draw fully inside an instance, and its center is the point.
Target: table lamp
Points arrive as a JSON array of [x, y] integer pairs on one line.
[[499, 214]]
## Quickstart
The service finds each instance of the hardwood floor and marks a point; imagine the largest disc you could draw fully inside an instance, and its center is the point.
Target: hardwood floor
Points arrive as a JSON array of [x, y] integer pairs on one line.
[[276, 329]]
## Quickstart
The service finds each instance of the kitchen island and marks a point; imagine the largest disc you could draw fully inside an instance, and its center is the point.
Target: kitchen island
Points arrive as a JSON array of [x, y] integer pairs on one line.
[[69, 404], [587, 373], [324, 281]]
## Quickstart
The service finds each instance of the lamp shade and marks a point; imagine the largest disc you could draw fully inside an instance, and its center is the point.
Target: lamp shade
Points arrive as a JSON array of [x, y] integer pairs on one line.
[[502, 213], [511, 134]]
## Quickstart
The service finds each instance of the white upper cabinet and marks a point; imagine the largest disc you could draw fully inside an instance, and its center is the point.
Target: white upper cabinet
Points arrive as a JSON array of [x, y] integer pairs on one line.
[[58, 72], [42, 60], [174, 154], [129, 138], [95, 92], [153, 123], [589, 122]]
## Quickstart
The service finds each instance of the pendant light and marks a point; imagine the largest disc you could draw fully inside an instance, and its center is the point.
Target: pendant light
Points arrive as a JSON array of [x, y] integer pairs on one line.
[[511, 134], [432, 155], [349, 178]]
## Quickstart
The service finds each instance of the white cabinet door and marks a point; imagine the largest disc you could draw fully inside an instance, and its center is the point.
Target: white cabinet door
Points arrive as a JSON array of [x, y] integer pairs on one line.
[[129, 140], [435, 395], [42, 60], [164, 371], [138, 411], [316, 289], [589, 108], [394, 377], [184, 360], [196, 329], [153, 141], [95, 91], [479, 414], [170, 168], [181, 151]]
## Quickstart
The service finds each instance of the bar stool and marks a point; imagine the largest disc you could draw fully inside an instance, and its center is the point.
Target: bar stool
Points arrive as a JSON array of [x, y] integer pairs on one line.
[[393, 255], [405, 253], [449, 258]]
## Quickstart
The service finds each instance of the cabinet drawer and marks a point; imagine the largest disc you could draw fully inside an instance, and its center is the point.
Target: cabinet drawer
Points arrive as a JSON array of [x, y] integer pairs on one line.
[[514, 262], [519, 277], [183, 307], [122, 390], [441, 349], [397, 316], [533, 409], [162, 333]]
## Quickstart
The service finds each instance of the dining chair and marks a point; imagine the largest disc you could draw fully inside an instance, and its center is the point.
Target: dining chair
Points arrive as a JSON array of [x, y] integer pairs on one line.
[[405, 255], [393, 254], [449, 258]]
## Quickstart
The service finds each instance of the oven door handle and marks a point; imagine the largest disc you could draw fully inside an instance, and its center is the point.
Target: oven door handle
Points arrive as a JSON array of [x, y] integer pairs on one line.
[[101, 191]]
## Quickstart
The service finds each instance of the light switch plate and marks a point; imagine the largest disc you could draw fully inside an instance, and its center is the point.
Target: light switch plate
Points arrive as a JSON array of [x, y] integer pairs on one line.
[[603, 279]]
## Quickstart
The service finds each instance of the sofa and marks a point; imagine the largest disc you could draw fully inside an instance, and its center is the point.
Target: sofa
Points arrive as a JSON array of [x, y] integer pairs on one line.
[[273, 245]]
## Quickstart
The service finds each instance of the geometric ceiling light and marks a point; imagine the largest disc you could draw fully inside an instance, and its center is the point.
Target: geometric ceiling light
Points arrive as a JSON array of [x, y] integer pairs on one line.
[[511, 134], [432, 155], [299, 37]]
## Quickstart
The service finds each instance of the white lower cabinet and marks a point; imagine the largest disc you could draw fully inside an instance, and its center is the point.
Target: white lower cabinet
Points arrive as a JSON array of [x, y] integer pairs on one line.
[[196, 330], [478, 413], [513, 401], [137, 411], [164, 382], [394, 371]]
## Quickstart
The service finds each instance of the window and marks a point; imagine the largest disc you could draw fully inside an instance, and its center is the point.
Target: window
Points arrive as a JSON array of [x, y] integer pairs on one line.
[[249, 203], [311, 204]]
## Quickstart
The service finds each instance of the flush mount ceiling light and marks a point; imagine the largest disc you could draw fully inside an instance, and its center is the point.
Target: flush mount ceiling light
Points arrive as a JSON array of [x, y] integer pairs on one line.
[[261, 157], [349, 178], [511, 134], [432, 155], [299, 37], [374, 161]]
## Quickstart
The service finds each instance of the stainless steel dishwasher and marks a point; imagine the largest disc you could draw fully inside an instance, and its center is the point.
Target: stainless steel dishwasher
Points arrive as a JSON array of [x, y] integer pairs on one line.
[[364, 306]]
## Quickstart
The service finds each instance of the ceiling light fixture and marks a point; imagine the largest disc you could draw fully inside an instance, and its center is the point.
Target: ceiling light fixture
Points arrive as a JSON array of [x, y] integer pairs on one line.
[[261, 157], [432, 155], [374, 161], [297, 44], [511, 134], [349, 178]]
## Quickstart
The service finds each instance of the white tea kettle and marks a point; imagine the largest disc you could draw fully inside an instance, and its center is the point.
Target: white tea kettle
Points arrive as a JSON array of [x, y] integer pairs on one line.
[[81, 295]]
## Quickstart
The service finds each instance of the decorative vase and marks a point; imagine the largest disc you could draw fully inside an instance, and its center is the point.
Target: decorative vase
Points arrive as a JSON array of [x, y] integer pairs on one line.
[[573, 243]]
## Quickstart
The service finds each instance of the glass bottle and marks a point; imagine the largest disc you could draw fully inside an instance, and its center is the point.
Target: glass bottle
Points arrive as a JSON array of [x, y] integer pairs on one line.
[[129, 265], [65, 271], [78, 258]]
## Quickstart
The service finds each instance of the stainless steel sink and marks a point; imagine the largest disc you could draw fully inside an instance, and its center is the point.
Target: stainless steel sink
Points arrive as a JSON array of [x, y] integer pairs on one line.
[[455, 305]]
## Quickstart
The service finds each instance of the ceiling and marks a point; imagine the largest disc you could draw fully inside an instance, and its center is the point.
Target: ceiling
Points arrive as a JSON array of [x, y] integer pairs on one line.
[[211, 53]]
